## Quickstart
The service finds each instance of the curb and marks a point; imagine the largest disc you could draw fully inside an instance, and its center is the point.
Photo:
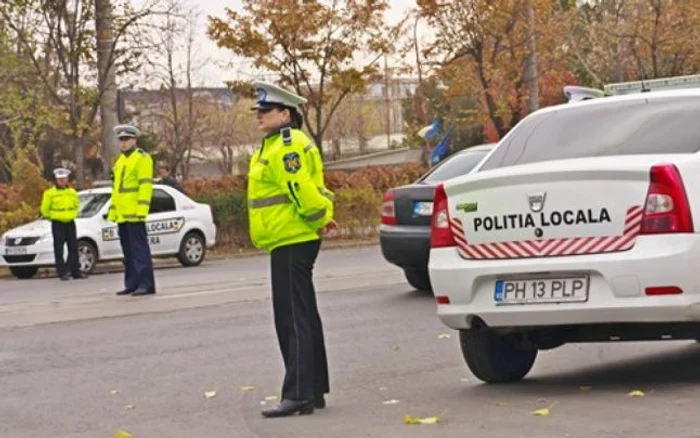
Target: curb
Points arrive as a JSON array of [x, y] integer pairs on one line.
[[115, 266]]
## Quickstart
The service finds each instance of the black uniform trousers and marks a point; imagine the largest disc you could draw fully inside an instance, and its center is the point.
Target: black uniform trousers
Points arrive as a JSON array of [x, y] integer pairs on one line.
[[138, 265], [297, 321], [64, 233]]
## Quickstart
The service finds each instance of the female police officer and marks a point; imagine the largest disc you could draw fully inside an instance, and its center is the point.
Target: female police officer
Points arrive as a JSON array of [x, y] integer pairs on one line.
[[288, 208]]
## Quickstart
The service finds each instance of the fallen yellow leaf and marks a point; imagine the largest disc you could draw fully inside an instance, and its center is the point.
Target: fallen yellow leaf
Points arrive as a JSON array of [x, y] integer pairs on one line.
[[541, 412], [271, 397], [129, 407], [210, 394], [408, 419], [444, 336], [390, 402], [115, 391], [636, 393], [122, 434], [247, 388]]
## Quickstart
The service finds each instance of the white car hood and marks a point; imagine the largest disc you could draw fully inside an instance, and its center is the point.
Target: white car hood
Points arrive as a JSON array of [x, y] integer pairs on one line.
[[37, 228]]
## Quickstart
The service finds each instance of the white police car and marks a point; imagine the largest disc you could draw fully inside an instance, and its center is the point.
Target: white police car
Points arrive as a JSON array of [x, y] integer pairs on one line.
[[177, 226], [582, 225]]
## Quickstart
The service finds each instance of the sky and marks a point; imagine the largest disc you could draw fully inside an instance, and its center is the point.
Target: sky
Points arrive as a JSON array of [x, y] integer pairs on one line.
[[219, 65]]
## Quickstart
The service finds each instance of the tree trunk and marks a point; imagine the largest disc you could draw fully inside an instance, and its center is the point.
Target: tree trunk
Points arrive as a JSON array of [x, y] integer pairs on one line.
[[107, 83], [531, 73]]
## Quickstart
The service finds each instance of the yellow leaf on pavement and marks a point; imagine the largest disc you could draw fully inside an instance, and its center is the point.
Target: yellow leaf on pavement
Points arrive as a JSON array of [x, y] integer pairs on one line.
[[123, 434], [129, 407], [390, 402], [636, 393], [541, 412], [443, 336], [247, 388], [408, 419], [271, 397], [210, 394], [115, 391]]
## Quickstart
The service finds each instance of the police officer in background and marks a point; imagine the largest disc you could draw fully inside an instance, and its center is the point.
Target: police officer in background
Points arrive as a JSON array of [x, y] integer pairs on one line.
[[289, 207], [60, 205], [166, 177], [131, 200]]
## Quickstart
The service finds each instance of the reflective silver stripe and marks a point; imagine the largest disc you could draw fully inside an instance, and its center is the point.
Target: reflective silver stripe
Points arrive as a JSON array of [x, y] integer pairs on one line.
[[126, 190], [144, 203], [263, 160], [133, 216], [146, 181], [326, 193], [266, 202], [59, 209], [316, 216], [308, 147]]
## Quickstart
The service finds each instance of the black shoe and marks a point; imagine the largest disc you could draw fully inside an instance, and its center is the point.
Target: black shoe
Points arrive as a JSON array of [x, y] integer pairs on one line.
[[290, 407], [320, 401], [65, 277], [140, 292], [80, 276], [125, 292]]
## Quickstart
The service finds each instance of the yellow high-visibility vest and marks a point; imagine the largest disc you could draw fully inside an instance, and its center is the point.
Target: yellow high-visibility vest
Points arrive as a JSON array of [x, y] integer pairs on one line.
[[287, 200], [132, 187], [60, 204]]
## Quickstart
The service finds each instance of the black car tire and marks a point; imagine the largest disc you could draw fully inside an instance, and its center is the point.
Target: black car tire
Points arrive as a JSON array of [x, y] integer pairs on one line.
[[495, 358], [24, 272], [192, 249], [87, 252], [418, 278]]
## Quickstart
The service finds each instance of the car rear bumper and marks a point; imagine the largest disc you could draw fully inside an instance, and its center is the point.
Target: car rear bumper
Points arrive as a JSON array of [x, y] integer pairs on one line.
[[616, 291], [405, 246]]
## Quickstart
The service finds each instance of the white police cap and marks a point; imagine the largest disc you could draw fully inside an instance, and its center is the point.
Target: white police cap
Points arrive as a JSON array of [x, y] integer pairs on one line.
[[126, 131], [61, 173], [270, 95]]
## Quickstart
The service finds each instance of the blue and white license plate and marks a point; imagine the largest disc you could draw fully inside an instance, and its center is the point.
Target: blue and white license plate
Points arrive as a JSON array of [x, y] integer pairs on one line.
[[423, 208], [542, 290]]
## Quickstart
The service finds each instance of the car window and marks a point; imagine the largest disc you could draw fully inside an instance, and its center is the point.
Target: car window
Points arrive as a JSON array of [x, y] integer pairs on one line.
[[161, 202], [456, 165], [91, 203], [659, 126]]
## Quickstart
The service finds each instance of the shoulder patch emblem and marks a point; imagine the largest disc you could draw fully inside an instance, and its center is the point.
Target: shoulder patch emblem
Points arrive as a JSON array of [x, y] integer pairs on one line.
[[292, 162]]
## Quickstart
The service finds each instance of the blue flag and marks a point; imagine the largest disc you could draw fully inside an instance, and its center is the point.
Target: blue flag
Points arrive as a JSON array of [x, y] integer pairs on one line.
[[442, 148]]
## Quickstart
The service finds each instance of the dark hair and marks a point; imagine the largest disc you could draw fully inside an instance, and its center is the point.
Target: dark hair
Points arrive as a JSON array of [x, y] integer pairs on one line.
[[297, 118]]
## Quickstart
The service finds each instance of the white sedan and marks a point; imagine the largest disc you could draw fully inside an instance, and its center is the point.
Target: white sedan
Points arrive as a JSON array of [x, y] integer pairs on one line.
[[578, 227], [177, 226]]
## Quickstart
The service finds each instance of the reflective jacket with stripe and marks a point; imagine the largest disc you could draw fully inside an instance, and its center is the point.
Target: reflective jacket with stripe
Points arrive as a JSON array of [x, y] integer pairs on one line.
[[60, 204], [287, 200], [132, 187]]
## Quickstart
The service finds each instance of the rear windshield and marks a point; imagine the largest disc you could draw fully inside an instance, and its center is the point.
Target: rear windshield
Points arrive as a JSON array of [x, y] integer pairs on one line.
[[456, 165], [660, 126]]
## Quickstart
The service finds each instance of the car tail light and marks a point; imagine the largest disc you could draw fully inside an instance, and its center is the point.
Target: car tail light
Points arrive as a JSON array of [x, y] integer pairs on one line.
[[663, 290], [388, 209], [442, 299], [666, 208], [440, 233]]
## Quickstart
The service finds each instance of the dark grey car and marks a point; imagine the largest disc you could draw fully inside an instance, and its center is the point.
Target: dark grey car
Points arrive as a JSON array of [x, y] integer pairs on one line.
[[404, 234]]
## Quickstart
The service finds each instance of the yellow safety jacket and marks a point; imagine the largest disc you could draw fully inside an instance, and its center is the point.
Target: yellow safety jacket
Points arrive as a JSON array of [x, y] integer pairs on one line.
[[132, 187], [60, 204], [287, 204]]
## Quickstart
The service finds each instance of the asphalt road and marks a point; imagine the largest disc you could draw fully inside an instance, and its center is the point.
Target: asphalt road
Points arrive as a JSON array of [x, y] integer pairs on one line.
[[97, 363]]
